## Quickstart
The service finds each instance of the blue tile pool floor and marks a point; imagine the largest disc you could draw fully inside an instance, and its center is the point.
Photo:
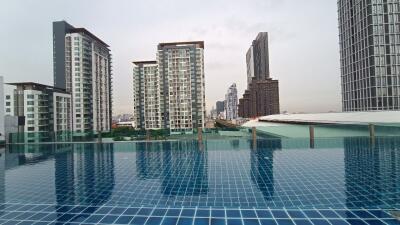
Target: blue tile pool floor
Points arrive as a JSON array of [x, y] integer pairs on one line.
[[228, 182]]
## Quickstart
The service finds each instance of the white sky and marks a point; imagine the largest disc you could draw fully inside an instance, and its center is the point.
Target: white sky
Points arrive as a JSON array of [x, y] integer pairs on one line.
[[304, 49]]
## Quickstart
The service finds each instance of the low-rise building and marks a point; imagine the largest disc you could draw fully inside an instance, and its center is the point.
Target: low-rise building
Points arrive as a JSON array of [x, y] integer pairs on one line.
[[41, 112]]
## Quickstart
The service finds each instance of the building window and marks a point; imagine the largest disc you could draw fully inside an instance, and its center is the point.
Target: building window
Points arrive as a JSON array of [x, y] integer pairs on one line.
[[8, 103], [30, 109], [8, 97], [30, 115], [30, 103], [8, 110], [30, 96]]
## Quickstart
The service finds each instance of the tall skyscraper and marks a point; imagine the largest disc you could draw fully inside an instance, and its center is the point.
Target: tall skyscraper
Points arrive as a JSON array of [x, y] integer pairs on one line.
[[169, 93], [82, 66], [257, 59], [262, 95], [369, 36], [220, 106], [231, 102]]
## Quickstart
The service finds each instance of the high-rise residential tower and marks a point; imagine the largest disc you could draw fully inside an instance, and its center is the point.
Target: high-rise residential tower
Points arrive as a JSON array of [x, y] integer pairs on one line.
[[181, 67], [82, 66], [262, 95], [147, 95], [369, 34], [231, 103], [169, 93]]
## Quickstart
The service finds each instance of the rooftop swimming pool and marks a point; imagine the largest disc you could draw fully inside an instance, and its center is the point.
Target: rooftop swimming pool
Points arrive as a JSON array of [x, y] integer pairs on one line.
[[271, 181]]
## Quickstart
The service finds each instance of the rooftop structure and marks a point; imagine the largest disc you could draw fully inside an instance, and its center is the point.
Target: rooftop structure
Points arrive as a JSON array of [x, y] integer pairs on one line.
[[329, 125]]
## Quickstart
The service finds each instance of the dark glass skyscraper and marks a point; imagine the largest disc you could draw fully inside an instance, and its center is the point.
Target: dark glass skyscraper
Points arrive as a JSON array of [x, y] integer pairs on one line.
[[262, 95], [369, 33], [220, 106], [257, 58]]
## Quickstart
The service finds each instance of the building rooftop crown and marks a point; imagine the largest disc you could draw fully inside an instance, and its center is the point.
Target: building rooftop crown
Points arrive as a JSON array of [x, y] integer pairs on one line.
[[200, 43]]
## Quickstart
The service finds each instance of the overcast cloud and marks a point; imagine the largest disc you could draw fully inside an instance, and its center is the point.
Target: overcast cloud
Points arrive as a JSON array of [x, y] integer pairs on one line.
[[304, 49]]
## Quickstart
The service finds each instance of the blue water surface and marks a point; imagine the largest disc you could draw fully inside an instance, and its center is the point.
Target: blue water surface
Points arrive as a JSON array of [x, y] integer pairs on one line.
[[236, 181]]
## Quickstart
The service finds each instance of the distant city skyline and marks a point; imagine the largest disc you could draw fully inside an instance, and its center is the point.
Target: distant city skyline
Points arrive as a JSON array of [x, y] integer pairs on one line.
[[304, 49]]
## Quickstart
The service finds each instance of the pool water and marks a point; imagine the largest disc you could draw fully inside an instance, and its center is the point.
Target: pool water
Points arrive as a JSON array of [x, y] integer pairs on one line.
[[272, 181]]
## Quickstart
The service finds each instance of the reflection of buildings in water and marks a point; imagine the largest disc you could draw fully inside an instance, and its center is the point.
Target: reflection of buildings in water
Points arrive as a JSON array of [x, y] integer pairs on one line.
[[84, 178], [148, 160], [180, 166], [235, 143], [262, 160], [64, 177], [184, 169], [372, 174], [18, 155]]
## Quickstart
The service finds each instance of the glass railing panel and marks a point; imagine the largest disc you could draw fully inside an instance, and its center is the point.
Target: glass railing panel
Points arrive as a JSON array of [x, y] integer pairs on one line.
[[282, 131]]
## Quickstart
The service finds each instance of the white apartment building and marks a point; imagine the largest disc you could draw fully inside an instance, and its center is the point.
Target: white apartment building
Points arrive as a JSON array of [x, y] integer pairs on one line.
[[147, 95], [41, 112], [181, 67], [82, 65], [231, 103], [170, 93]]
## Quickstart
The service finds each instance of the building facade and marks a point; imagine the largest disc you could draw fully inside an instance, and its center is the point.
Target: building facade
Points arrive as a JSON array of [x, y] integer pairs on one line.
[[82, 66], [181, 67], [169, 93], [147, 95], [262, 95], [257, 59], [262, 98], [220, 107], [231, 102], [369, 36], [41, 112]]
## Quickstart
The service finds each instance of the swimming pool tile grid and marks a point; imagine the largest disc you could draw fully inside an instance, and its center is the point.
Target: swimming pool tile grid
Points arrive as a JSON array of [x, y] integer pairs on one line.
[[242, 178], [73, 214], [104, 187]]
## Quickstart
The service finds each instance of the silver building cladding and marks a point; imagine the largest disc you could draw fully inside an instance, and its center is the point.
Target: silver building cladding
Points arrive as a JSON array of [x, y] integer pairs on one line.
[[369, 34]]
